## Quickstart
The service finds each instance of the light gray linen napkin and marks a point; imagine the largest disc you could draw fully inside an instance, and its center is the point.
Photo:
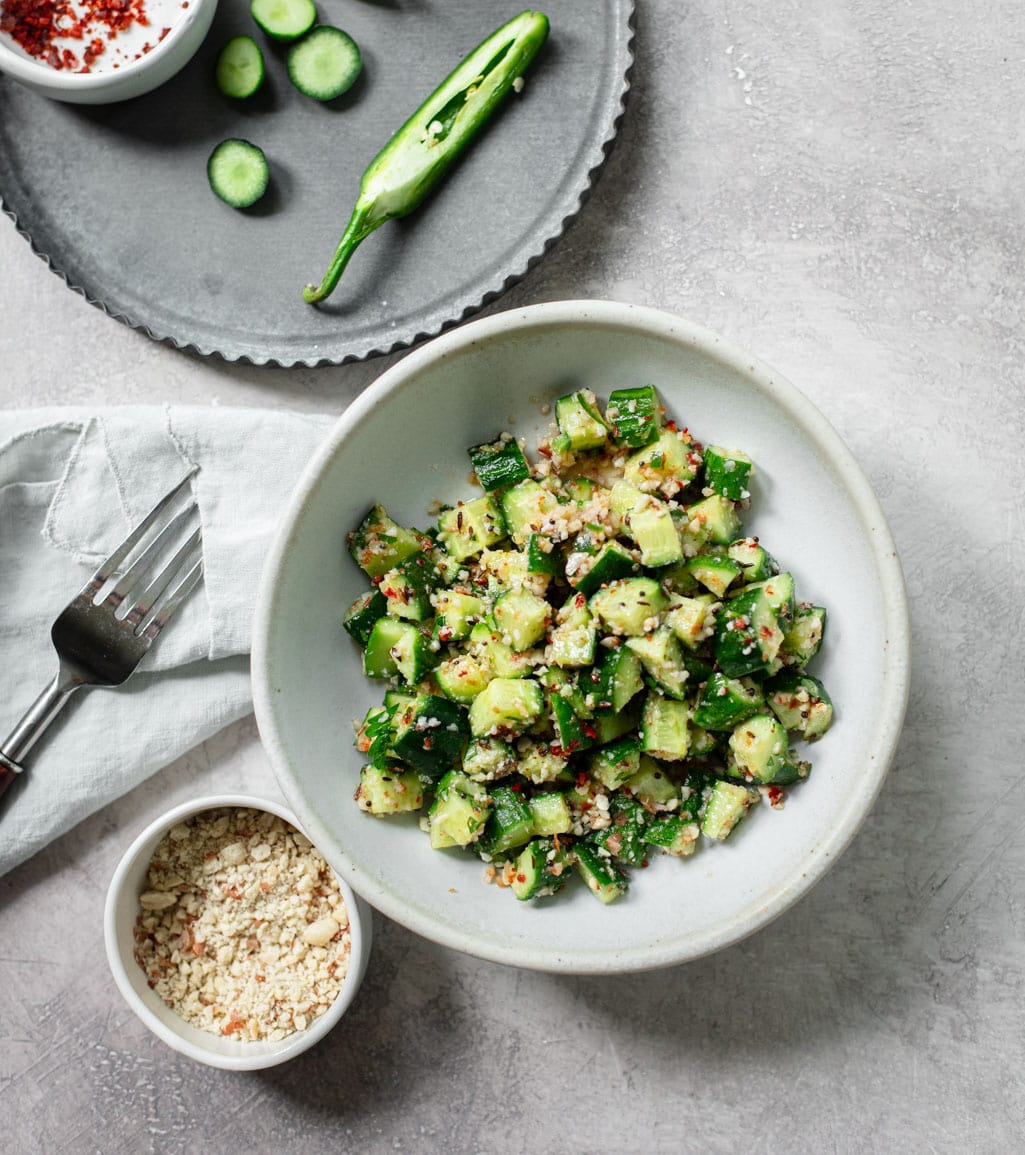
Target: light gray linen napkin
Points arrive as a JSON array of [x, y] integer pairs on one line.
[[72, 484]]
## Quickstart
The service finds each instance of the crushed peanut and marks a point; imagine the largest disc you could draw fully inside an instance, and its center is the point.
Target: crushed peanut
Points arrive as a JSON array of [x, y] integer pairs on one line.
[[242, 929]]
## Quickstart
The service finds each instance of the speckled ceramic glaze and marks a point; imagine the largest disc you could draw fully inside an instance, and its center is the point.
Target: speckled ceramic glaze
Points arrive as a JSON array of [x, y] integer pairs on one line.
[[403, 443]]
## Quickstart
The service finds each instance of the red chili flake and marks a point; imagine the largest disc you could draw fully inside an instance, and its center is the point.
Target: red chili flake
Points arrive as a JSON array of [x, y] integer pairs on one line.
[[428, 743], [590, 731], [517, 787], [582, 778], [36, 26], [521, 878], [775, 795]]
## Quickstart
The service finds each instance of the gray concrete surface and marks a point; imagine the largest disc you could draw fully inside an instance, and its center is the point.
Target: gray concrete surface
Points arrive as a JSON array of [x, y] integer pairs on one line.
[[838, 187]]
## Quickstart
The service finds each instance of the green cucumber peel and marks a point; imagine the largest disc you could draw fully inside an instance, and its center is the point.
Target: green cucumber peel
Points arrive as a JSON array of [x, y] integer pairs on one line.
[[418, 156]]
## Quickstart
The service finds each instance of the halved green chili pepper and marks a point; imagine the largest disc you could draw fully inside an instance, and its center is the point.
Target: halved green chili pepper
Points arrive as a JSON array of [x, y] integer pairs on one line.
[[399, 178]]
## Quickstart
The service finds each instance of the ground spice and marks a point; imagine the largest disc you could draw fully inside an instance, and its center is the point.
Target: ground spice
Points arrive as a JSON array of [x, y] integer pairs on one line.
[[37, 25]]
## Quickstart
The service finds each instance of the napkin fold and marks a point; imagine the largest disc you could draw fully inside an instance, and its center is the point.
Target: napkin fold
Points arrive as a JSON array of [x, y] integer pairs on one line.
[[73, 482]]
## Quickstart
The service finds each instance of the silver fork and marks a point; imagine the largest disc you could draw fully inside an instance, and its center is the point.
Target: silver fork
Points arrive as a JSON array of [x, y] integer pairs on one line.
[[100, 642]]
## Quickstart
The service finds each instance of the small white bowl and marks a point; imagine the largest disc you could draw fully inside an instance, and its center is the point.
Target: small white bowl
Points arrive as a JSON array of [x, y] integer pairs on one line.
[[120, 913], [133, 77]]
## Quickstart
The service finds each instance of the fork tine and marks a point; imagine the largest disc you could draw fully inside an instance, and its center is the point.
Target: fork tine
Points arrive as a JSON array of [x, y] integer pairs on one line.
[[157, 620], [108, 567], [143, 565], [182, 560]]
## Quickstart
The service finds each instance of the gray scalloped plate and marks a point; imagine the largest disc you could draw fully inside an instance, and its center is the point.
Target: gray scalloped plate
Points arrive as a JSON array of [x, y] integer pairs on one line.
[[115, 198]]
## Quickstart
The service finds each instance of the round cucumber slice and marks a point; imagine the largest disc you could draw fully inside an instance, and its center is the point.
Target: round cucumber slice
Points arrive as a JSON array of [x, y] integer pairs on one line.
[[324, 64], [238, 173], [239, 71], [284, 19]]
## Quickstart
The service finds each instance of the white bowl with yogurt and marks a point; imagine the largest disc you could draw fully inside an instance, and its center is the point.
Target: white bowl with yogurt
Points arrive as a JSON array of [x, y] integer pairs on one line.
[[137, 59], [232, 1036]]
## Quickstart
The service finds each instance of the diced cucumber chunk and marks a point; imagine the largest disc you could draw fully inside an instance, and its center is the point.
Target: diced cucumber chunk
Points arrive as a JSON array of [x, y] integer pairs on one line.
[[573, 640], [748, 636], [459, 811], [612, 562], [388, 790], [509, 569], [499, 463], [802, 639], [726, 701], [462, 678], [431, 735], [702, 742], [603, 878], [726, 806], [525, 508], [408, 588], [616, 763], [713, 520], [673, 835], [609, 727], [692, 619], [624, 837], [457, 614], [756, 563], [471, 527], [580, 424], [651, 784], [779, 590], [510, 823], [541, 870], [801, 703], [487, 759], [634, 416], [540, 762], [653, 529], [618, 679], [550, 813], [542, 556], [506, 706], [379, 543], [664, 728], [359, 619], [572, 733], [522, 618], [728, 472], [396, 647], [667, 464], [503, 661], [662, 659], [630, 606], [714, 573], [759, 748]]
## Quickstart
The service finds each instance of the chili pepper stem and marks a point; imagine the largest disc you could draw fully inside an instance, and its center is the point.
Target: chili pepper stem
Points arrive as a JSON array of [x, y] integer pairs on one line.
[[361, 224]]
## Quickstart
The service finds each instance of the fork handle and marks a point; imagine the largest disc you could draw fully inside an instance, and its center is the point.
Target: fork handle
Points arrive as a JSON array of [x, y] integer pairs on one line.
[[30, 729]]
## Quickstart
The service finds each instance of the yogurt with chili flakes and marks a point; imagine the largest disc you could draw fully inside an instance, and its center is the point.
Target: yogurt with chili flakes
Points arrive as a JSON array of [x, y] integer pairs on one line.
[[87, 36]]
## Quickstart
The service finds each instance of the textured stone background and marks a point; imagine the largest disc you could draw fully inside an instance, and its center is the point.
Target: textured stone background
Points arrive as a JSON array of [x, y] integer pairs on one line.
[[838, 187]]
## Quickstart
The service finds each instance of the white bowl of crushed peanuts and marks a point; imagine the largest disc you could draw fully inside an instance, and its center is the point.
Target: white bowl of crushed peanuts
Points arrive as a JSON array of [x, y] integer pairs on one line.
[[231, 937]]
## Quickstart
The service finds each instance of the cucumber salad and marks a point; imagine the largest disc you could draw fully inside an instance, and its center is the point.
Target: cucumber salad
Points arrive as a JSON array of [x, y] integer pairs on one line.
[[589, 662]]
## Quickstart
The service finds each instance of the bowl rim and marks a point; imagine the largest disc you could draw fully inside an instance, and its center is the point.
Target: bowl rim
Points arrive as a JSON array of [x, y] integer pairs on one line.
[[39, 75], [359, 928], [644, 320]]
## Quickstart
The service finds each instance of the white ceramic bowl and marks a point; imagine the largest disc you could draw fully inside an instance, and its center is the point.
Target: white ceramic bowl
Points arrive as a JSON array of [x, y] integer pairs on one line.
[[133, 77], [120, 913], [403, 442]]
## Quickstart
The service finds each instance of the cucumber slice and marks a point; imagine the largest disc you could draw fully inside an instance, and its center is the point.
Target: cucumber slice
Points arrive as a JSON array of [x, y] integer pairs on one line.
[[499, 463], [284, 19], [239, 71], [324, 64], [238, 173]]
